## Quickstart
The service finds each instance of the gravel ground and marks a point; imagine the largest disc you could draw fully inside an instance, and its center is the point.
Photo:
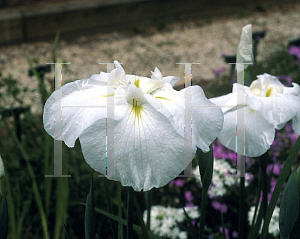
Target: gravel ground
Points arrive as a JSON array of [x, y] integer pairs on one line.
[[198, 41]]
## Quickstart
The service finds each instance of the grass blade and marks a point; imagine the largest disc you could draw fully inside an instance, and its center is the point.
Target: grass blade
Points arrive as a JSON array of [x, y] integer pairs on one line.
[[137, 228], [89, 222], [3, 218], [140, 216], [109, 207], [279, 184]]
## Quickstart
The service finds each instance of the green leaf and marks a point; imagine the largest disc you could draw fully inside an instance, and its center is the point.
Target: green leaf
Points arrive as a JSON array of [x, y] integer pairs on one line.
[[289, 206], [279, 184], [137, 228], [206, 164], [148, 200], [140, 216], [109, 207], [89, 223], [130, 193], [3, 218], [248, 78]]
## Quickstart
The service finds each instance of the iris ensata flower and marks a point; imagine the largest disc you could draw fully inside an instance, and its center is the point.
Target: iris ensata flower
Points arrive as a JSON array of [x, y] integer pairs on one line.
[[149, 125], [268, 105]]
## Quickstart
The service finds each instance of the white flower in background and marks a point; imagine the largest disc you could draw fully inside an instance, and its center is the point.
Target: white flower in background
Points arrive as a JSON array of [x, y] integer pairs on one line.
[[2, 173], [223, 177], [274, 223], [148, 129], [163, 221], [245, 53], [268, 105]]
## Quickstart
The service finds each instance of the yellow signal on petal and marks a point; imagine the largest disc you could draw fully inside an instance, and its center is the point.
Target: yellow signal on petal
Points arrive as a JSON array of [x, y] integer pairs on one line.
[[137, 83]]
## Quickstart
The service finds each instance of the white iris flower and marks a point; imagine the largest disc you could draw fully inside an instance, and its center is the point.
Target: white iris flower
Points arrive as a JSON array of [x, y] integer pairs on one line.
[[268, 105], [149, 125]]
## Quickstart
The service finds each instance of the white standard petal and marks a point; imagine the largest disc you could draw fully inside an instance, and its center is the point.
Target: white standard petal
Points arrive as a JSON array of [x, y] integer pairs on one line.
[[156, 75], [244, 53], [83, 102], [148, 151], [259, 134], [207, 118], [118, 75], [225, 102]]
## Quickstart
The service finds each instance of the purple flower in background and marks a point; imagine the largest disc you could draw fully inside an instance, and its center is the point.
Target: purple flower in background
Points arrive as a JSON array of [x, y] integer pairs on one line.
[[295, 51], [226, 231], [219, 206], [219, 71], [288, 80], [276, 169], [188, 196], [235, 234], [179, 183]]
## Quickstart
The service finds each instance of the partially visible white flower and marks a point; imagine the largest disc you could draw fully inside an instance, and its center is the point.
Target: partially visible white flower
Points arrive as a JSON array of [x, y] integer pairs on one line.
[[164, 220], [2, 173], [268, 105], [245, 53], [223, 177], [274, 223]]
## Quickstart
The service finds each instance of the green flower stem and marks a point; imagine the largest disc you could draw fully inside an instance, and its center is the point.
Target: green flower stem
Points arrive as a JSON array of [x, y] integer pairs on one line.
[[120, 204], [148, 199], [278, 187], [203, 213], [263, 160], [48, 180], [223, 226], [241, 208], [130, 213], [256, 205], [11, 211]]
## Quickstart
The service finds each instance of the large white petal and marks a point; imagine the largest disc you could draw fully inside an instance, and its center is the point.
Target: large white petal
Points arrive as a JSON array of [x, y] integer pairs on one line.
[[259, 134], [207, 119], [276, 110], [148, 151], [225, 102], [86, 100]]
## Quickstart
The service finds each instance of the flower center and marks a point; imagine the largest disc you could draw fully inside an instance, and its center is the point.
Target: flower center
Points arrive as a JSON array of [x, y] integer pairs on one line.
[[265, 88], [137, 83], [137, 110]]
